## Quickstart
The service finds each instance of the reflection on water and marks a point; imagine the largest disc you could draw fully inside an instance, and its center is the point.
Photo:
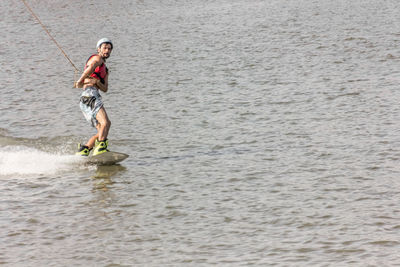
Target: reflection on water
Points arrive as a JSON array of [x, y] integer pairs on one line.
[[102, 177], [108, 171]]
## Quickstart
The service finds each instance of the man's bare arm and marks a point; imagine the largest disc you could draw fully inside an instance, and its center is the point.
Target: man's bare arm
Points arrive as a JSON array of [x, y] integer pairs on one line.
[[102, 86], [93, 63]]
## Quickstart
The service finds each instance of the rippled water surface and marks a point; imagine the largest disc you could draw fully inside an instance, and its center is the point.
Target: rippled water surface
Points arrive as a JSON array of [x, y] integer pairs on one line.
[[260, 133]]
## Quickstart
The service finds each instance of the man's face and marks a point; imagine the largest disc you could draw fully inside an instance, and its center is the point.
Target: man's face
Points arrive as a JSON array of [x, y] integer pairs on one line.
[[105, 50]]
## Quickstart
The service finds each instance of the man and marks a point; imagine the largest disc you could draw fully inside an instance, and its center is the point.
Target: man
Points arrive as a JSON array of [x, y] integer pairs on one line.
[[93, 79]]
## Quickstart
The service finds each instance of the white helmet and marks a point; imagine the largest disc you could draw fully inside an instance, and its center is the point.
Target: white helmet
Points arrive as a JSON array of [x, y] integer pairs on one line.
[[104, 40]]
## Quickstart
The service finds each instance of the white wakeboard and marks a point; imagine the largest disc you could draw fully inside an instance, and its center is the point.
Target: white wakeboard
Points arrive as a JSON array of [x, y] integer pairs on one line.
[[107, 158]]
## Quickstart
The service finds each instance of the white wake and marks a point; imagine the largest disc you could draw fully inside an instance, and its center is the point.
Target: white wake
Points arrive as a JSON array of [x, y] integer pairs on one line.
[[24, 160]]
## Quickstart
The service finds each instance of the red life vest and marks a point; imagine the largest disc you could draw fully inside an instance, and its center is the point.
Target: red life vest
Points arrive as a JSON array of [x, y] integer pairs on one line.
[[100, 72]]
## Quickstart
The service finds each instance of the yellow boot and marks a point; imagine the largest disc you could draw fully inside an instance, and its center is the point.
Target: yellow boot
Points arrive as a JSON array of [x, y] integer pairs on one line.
[[100, 147], [83, 150]]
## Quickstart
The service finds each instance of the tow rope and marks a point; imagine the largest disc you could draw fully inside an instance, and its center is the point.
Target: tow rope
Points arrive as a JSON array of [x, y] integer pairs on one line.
[[51, 37]]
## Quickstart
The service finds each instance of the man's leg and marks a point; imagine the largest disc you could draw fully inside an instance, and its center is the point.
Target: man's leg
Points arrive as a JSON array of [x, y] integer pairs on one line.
[[104, 123], [103, 128], [92, 140]]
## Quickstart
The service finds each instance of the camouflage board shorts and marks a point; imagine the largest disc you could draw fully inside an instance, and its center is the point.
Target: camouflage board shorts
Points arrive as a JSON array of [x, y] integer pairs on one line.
[[90, 104]]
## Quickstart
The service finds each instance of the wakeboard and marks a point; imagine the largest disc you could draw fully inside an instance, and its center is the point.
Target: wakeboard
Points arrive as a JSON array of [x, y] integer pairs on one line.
[[107, 158]]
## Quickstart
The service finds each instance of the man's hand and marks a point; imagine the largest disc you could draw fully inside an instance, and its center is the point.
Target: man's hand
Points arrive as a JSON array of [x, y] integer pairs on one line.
[[90, 81], [78, 84]]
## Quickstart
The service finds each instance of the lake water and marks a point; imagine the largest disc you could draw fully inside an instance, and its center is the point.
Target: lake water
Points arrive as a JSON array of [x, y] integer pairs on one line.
[[260, 133]]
